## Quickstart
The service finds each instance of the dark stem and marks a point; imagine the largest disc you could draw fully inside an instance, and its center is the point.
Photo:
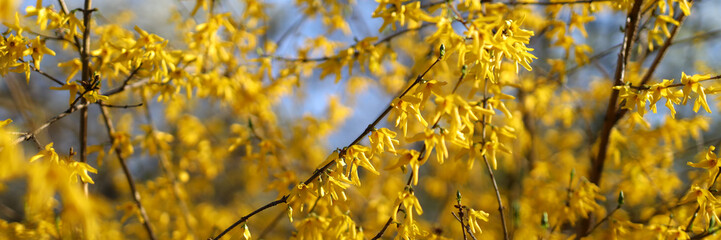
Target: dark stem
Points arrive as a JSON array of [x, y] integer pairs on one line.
[[599, 223], [246, 217], [460, 220], [610, 119], [390, 219], [134, 192]]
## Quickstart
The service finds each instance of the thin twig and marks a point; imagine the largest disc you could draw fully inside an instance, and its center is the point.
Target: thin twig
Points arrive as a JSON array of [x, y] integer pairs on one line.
[[36, 69], [73, 108], [599, 223], [134, 192], [423, 149], [557, 2], [372, 125], [512, 2], [460, 220], [121, 106], [31, 134], [283, 199], [498, 197], [677, 84], [390, 219], [485, 122]]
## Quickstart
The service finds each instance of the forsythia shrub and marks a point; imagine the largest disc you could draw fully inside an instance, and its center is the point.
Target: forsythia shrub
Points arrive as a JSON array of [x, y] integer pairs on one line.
[[497, 122]]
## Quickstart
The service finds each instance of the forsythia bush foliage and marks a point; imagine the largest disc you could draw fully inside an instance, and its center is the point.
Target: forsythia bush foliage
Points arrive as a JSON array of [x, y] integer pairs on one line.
[[501, 119]]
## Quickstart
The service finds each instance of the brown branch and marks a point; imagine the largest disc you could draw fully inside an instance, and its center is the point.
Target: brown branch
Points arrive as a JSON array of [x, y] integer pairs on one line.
[[484, 122], [512, 3], [84, 139], [556, 3], [677, 84], [36, 69], [134, 192], [498, 197], [610, 119], [29, 135], [85, 50], [460, 220], [86, 82], [283, 199], [619, 77], [121, 106], [599, 223]]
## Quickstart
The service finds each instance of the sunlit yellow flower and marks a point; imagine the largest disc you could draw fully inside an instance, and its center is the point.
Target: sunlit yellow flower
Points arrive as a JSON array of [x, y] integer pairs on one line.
[[37, 49], [73, 88], [710, 163], [81, 169], [409, 201], [476, 215], [381, 139], [47, 153], [408, 157], [691, 84]]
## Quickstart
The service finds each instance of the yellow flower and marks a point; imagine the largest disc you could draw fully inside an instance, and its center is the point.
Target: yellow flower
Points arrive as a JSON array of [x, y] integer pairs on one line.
[[81, 169], [707, 202], [5, 122], [47, 153], [356, 156], [408, 157], [432, 140], [662, 90], [404, 106], [300, 195], [691, 84], [381, 139], [75, 66], [73, 87], [37, 50], [711, 162], [246, 232], [94, 96], [409, 202], [474, 216]]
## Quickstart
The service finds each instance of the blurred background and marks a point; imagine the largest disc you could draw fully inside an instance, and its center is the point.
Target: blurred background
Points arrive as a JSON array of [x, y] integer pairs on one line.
[[695, 51]]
